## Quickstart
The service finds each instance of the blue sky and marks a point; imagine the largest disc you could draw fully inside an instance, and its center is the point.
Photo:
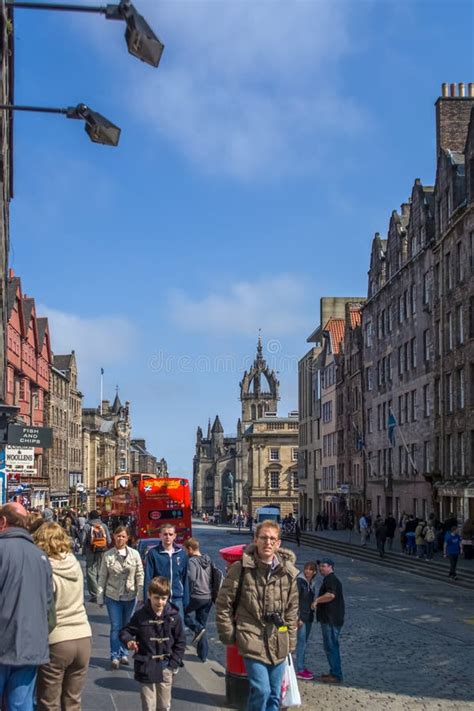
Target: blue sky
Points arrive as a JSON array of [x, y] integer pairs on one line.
[[254, 167]]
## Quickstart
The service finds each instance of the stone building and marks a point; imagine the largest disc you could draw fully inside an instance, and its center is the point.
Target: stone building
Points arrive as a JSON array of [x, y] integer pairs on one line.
[[106, 444], [319, 486], [453, 304], [64, 459], [257, 465], [141, 460], [418, 349]]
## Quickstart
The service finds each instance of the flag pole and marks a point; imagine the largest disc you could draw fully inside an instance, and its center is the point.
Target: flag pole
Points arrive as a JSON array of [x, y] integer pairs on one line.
[[101, 388], [364, 448], [412, 462]]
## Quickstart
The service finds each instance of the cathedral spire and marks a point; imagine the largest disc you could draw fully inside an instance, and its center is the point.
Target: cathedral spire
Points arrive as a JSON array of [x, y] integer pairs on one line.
[[259, 347], [209, 429]]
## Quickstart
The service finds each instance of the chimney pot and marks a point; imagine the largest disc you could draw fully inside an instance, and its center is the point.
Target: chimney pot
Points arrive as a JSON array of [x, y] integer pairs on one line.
[[452, 89], [444, 89], [470, 89], [462, 89]]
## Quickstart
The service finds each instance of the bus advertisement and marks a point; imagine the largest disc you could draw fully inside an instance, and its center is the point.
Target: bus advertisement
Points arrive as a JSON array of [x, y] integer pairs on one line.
[[162, 501]]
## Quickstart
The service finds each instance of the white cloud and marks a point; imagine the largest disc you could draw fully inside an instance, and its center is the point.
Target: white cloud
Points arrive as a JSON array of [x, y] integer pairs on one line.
[[99, 342], [275, 304], [247, 88]]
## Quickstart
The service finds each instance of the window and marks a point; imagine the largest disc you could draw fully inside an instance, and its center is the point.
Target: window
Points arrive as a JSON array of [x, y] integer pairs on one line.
[[368, 375], [461, 388], [449, 316], [449, 454], [400, 361], [462, 453], [413, 406], [426, 456], [413, 352], [379, 417], [460, 324], [447, 270], [369, 421], [426, 345], [405, 408], [400, 309], [400, 409], [436, 280], [327, 412], [426, 401], [437, 396], [413, 298], [389, 366], [368, 334], [274, 480], [274, 454], [449, 392], [406, 355], [426, 288], [459, 264]]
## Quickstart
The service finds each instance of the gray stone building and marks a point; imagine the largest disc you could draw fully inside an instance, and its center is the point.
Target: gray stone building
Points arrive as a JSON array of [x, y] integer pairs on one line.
[[258, 464], [141, 460], [63, 461], [418, 347]]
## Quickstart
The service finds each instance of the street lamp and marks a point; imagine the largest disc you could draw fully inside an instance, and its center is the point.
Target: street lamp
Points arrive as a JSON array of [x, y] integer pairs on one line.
[[98, 128], [140, 38]]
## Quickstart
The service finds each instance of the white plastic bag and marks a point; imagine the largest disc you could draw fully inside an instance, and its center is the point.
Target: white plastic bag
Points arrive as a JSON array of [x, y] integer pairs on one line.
[[290, 694]]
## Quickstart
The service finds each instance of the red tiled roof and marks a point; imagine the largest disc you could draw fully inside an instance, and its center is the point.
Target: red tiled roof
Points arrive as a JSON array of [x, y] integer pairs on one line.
[[335, 326], [355, 317]]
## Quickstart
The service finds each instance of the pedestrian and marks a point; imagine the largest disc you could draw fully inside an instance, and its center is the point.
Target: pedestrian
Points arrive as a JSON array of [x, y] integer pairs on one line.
[[156, 635], [380, 535], [329, 606], [452, 548], [26, 600], [467, 535], [121, 579], [169, 560], [306, 582], [62, 679], [319, 522], [95, 542], [297, 534], [429, 534], [450, 522], [390, 528], [201, 572], [410, 534], [325, 521], [368, 519], [420, 539], [257, 609], [364, 530]]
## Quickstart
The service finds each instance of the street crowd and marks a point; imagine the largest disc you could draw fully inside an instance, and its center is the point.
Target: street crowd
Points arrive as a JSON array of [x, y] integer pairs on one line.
[[264, 605]]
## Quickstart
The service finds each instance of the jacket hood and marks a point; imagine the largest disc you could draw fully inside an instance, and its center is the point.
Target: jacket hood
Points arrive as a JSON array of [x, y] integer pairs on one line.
[[203, 560], [14, 532], [285, 557], [67, 568]]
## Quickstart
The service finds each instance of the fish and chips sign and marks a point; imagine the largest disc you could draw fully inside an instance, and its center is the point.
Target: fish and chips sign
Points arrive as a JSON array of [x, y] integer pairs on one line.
[[23, 436]]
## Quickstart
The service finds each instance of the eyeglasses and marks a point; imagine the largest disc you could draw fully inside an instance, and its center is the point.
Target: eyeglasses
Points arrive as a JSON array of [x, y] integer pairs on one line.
[[267, 538]]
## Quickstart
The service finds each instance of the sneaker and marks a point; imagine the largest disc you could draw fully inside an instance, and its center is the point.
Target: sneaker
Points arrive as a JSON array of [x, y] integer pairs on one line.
[[330, 679], [305, 675], [115, 664], [124, 661], [199, 635], [308, 671]]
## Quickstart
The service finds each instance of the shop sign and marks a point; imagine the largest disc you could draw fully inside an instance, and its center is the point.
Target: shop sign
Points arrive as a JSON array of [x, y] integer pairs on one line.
[[19, 458], [30, 436]]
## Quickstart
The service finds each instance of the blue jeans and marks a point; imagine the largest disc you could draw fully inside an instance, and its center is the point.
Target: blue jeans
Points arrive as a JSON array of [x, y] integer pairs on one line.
[[17, 685], [120, 612], [178, 602], [301, 642], [201, 610], [331, 647], [265, 685]]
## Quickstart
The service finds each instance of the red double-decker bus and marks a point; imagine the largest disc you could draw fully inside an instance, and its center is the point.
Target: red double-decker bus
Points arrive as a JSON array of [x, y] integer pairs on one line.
[[162, 501]]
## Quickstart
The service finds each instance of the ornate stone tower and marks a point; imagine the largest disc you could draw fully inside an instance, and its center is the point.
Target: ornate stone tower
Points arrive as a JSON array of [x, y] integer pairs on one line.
[[258, 390]]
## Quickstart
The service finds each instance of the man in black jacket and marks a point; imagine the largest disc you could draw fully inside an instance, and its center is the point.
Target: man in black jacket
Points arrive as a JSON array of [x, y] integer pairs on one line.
[[329, 606], [27, 597]]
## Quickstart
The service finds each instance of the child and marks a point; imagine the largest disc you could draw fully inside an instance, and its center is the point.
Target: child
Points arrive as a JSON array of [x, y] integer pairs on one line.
[[306, 582], [156, 635]]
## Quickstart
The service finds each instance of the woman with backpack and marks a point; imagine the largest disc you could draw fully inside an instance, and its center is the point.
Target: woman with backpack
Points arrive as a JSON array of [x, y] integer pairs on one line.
[[121, 579], [95, 542], [429, 535]]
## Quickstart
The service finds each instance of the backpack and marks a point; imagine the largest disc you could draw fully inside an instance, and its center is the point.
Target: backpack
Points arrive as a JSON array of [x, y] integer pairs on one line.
[[217, 576], [98, 538], [429, 534]]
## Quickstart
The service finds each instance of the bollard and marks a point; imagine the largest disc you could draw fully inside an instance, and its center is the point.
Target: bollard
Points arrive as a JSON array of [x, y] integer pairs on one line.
[[236, 682]]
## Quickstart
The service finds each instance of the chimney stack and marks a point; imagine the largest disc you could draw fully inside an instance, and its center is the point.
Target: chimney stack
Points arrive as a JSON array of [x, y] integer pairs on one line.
[[453, 113]]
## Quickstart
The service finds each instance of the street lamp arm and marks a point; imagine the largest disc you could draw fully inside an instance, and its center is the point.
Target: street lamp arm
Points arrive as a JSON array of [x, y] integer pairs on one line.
[[56, 6], [38, 109]]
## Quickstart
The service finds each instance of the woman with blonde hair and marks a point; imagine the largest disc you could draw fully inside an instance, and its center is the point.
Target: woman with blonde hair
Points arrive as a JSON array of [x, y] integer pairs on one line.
[[60, 682]]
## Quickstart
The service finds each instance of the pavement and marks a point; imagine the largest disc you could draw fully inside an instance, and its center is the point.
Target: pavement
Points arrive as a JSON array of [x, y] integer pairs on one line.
[[407, 644]]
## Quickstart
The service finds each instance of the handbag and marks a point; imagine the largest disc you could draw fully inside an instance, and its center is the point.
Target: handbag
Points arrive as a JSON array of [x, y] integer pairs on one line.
[[290, 694]]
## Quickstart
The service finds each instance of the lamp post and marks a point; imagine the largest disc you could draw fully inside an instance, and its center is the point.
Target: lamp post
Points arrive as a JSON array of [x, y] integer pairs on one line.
[[98, 128], [140, 38]]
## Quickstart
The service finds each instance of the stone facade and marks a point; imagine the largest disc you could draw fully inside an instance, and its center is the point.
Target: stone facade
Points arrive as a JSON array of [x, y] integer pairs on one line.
[[141, 460], [309, 437], [64, 460], [259, 463]]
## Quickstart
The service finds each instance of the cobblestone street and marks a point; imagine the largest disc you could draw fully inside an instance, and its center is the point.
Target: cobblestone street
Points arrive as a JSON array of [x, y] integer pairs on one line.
[[405, 644]]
